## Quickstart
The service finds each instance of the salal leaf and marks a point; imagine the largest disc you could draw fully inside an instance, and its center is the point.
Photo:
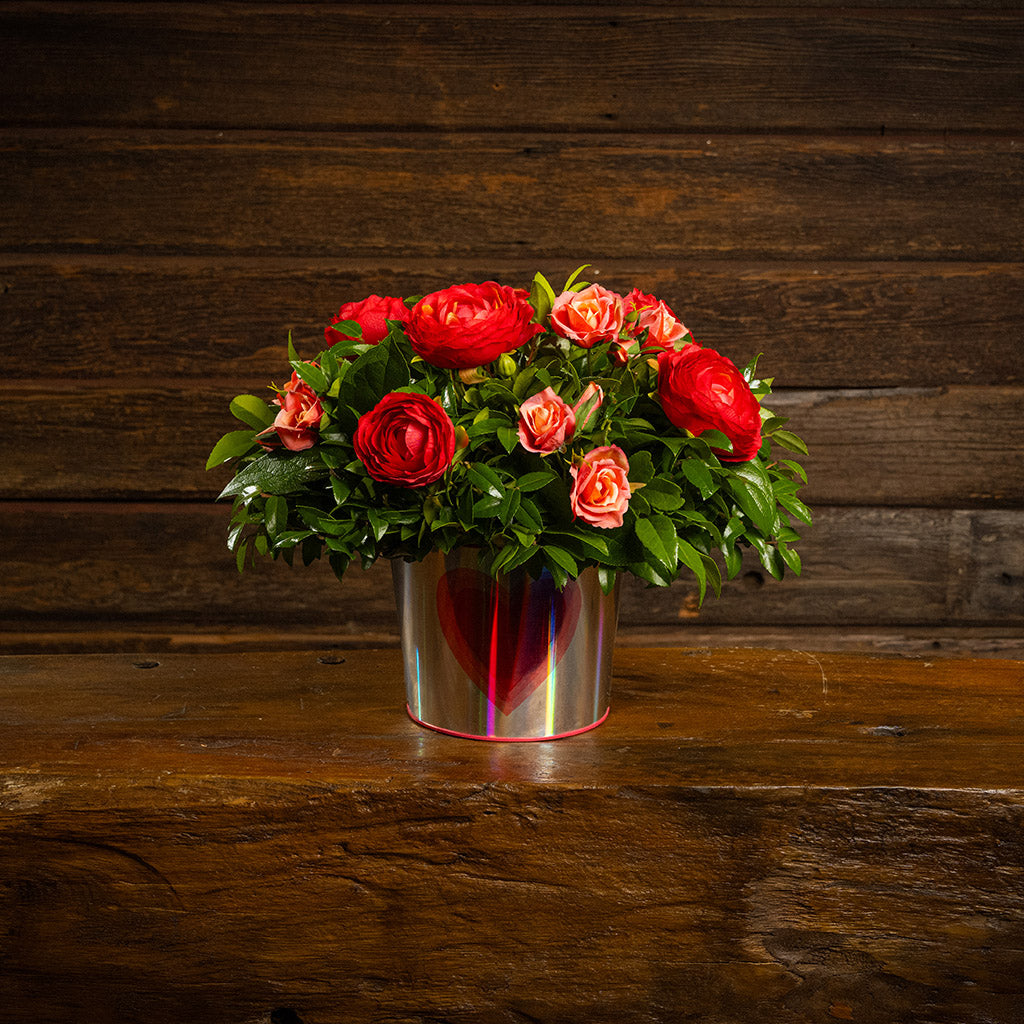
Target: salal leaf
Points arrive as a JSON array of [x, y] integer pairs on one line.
[[559, 556], [276, 513], [278, 473], [752, 490], [699, 475], [663, 494], [253, 411], [691, 558], [534, 481], [542, 297], [485, 478], [312, 375], [658, 536], [230, 446], [787, 439]]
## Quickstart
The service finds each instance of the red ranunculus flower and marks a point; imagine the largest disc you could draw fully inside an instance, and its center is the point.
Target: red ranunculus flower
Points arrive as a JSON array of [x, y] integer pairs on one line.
[[296, 424], [470, 324], [405, 439], [372, 314], [702, 390]]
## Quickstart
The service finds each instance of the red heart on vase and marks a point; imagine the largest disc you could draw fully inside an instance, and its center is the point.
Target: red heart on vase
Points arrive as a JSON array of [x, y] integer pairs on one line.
[[504, 633]]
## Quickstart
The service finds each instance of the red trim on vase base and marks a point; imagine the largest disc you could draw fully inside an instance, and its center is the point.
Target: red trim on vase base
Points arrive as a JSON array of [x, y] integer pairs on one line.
[[506, 739]]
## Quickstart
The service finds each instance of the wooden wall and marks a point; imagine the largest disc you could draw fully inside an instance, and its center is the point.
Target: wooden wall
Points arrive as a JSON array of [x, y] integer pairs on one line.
[[185, 184]]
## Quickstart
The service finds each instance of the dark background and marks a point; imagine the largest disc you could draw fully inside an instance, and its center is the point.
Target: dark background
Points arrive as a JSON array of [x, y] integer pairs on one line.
[[185, 184]]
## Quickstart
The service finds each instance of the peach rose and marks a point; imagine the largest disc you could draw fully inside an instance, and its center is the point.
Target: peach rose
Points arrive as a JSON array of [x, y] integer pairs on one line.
[[663, 328], [546, 423], [600, 488], [296, 424], [589, 317]]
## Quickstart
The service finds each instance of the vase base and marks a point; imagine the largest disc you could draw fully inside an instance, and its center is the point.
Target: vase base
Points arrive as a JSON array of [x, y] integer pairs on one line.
[[505, 739]]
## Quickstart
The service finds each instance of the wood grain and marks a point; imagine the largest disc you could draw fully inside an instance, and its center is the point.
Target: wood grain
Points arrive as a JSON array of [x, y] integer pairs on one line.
[[528, 196], [151, 638], [749, 837], [102, 564], [426, 66], [948, 447], [820, 325]]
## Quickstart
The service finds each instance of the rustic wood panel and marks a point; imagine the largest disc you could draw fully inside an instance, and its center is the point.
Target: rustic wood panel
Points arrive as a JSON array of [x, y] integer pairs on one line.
[[908, 446], [818, 325], [150, 639], [748, 837], [415, 66], [110, 565], [528, 196]]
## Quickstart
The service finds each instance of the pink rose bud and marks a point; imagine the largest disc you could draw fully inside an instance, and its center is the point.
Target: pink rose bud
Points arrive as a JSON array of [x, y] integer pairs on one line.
[[590, 401], [296, 424], [546, 423], [589, 317], [663, 328], [600, 488]]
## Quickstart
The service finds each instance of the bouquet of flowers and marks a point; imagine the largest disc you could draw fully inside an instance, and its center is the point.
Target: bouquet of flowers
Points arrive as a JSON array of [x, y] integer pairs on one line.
[[549, 431]]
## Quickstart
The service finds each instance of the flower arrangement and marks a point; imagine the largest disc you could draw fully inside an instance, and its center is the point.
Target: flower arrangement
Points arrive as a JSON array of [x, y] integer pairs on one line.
[[550, 431]]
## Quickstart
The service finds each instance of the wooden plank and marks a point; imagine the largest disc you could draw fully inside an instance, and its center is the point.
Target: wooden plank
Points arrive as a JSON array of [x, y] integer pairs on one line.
[[150, 639], [429, 66], [818, 325], [357, 196], [94, 565], [909, 446], [771, 834]]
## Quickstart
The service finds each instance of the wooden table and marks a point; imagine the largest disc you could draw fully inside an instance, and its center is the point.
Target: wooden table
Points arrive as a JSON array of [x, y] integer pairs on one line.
[[752, 836]]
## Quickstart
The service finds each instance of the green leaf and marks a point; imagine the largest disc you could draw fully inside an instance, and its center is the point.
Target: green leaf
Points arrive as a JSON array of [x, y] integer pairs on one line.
[[752, 490], [534, 481], [348, 328], [311, 374], [790, 557], [276, 513], [663, 494], [485, 478], [230, 446], [542, 297], [641, 467], [377, 372], [796, 468], [529, 515], [787, 439], [278, 473], [792, 504], [606, 577], [716, 439], [571, 280], [562, 558], [691, 558], [658, 536], [508, 437], [699, 475], [253, 411]]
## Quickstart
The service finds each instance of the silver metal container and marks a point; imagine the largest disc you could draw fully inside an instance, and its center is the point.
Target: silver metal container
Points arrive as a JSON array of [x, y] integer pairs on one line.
[[507, 659]]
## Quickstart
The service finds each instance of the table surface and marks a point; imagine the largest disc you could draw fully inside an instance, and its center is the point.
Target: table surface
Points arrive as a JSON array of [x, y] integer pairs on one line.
[[751, 836], [679, 717]]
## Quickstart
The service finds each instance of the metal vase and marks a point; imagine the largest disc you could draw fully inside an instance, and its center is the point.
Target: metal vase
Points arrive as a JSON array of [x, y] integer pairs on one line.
[[507, 659]]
